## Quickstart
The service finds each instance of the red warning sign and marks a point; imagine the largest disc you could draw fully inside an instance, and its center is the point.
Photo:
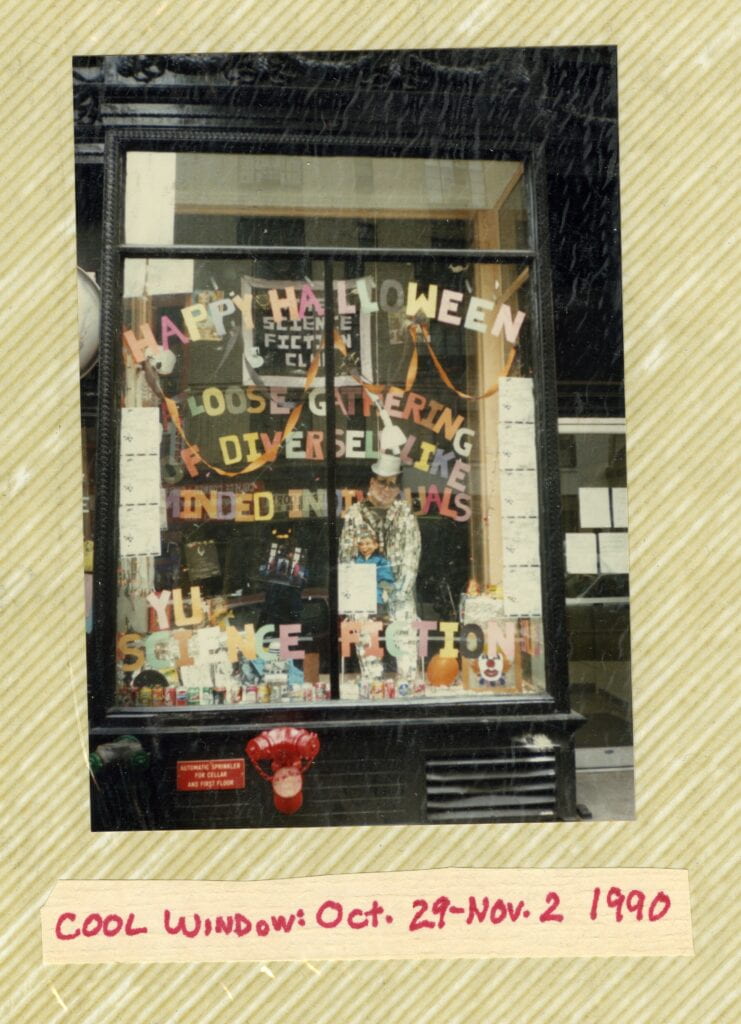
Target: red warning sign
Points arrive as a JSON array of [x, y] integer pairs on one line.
[[227, 773]]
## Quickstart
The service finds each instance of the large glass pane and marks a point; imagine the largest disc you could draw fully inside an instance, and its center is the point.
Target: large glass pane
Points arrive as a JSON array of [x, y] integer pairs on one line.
[[225, 550], [263, 199], [439, 553], [223, 544]]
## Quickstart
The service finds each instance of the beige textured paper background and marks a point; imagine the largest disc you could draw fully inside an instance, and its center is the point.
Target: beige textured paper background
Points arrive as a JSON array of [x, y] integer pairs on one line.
[[677, 116]]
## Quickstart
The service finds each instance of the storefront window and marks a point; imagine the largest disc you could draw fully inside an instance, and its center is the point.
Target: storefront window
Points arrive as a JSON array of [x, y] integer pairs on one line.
[[279, 546]]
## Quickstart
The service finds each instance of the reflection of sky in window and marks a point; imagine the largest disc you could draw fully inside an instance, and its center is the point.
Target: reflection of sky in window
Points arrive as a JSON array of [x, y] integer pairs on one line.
[[158, 277], [150, 198], [157, 181]]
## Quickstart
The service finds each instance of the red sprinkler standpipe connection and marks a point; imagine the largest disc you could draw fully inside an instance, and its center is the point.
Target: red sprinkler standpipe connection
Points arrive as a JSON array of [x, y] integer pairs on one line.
[[290, 753]]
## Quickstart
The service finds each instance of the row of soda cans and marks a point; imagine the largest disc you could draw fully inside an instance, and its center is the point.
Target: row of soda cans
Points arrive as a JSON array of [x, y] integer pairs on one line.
[[388, 689], [200, 696], [275, 692]]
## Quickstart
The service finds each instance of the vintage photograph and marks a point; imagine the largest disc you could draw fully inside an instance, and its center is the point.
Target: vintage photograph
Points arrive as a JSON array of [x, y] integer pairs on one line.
[[353, 426]]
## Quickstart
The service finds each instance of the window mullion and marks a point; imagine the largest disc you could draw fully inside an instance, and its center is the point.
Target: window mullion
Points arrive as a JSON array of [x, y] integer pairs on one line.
[[331, 480]]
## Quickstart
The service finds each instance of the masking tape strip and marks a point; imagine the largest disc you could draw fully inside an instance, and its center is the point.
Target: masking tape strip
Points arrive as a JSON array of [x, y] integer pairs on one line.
[[453, 912]]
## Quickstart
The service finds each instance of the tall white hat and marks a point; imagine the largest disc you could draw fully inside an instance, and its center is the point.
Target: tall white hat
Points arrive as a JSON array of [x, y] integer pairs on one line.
[[391, 439], [387, 465]]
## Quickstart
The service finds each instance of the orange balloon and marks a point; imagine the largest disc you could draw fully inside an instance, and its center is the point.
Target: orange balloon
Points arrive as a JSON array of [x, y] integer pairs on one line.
[[442, 671]]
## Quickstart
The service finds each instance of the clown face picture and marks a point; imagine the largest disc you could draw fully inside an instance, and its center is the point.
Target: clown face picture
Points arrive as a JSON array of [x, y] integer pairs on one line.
[[491, 670]]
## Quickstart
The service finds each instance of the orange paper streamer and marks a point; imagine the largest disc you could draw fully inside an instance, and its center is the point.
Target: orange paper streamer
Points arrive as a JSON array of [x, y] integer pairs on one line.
[[425, 331], [375, 389]]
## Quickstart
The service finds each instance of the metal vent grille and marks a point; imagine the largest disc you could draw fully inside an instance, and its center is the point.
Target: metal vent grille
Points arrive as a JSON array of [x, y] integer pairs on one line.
[[505, 784]]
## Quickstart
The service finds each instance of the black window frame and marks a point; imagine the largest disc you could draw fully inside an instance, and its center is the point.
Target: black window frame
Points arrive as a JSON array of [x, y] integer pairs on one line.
[[118, 142]]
